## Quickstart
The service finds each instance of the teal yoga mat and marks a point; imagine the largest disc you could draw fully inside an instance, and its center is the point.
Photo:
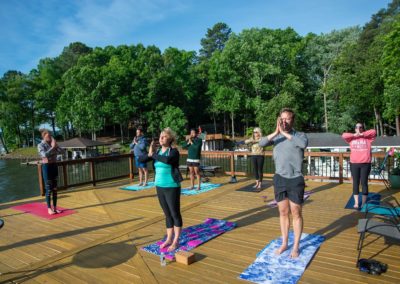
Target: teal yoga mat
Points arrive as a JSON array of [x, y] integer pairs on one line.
[[136, 187]]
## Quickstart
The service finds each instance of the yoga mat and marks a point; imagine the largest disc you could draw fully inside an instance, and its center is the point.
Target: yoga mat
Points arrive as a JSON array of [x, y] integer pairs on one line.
[[372, 197], [271, 268], [386, 211], [136, 187], [204, 187], [193, 236], [273, 203], [40, 210]]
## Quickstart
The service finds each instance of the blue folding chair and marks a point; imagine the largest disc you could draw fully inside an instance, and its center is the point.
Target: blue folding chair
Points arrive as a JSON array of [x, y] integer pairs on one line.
[[379, 170]]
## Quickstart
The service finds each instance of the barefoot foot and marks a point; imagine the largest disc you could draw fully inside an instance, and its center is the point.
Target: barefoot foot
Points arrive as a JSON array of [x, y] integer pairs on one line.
[[50, 211], [281, 249], [173, 247], [295, 253], [165, 244]]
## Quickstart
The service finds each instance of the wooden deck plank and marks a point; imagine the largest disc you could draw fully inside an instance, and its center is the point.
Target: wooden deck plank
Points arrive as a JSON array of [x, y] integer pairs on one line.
[[108, 217]]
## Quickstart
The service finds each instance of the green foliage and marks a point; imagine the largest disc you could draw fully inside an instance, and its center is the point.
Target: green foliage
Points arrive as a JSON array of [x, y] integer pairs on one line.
[[215, 39], [245, 77], [174, 118], [391, 74]]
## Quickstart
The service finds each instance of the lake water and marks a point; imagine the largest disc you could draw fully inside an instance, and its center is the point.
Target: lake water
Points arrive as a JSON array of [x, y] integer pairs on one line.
[[17, 181], [20, 181]]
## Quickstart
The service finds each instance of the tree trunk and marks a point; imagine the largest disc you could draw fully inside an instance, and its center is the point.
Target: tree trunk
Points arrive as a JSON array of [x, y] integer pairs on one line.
[[122, 133], [114, 130], [397, 125], [233, 125], [378, 132], [19, 138], [215, 124], [33, 132], [224, 124], [72, 130], [325, 107], [94, 135], [53, 124], [3, 141]]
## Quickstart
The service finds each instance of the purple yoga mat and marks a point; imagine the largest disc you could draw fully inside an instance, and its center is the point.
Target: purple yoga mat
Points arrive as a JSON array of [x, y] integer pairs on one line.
[[193, 236]]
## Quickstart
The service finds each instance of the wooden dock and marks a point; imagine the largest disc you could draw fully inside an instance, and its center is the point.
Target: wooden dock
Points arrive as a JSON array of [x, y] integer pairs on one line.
[[101, 242]]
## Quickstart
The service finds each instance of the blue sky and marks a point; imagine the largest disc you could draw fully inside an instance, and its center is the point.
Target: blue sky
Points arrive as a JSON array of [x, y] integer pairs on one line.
[[34, 29]]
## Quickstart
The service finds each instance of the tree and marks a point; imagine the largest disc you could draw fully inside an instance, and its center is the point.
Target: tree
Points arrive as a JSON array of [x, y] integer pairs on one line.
[[254, 67], [391, 74], [215, 39], [50, 72], [174, 118], [322, 51], [13, 113]]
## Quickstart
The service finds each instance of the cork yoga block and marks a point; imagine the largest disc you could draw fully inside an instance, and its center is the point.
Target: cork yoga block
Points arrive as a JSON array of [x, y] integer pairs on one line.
[[185, 257]]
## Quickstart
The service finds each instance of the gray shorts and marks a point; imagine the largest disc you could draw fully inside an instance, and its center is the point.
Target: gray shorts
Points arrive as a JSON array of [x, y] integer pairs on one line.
[[290, 188]]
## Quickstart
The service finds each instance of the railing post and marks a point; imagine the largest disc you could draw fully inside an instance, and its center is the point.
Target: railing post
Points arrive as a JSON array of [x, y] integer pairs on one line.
[[93, 173], [40, 176], [65, 175], [233, 176], [131, 167], [340, 167]]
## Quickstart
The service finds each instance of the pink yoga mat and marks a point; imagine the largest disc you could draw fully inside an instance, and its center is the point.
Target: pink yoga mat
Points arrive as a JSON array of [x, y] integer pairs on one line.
[[40, 210]]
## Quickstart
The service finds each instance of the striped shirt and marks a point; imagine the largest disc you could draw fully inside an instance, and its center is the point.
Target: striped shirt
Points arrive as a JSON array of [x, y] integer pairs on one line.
[[47, 153]]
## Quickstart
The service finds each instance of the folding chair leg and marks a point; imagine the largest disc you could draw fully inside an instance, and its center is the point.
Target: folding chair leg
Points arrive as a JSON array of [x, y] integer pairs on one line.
[[360, 245], [385, 181]]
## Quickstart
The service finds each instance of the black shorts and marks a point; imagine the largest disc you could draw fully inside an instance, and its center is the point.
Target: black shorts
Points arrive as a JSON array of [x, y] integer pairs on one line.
[[191, 164], [291, 188]]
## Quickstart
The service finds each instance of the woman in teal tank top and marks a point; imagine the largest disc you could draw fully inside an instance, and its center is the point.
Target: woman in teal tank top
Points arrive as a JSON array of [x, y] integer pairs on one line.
[[168, 184]]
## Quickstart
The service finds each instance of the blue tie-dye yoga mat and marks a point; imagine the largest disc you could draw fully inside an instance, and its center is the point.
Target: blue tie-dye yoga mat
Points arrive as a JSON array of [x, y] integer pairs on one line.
[[136, 187], [271, 268], [374, 198], [193, 236], [204, 187]]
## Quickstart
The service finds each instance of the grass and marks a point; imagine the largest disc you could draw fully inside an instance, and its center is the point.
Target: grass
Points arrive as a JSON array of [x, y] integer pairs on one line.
[[28, 152]]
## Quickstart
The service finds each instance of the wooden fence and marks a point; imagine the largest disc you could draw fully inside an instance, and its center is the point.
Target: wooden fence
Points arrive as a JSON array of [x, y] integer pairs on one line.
[[317, 166]]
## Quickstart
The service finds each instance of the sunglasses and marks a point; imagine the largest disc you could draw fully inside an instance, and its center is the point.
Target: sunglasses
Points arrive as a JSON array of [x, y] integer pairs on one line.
[[362, 127]]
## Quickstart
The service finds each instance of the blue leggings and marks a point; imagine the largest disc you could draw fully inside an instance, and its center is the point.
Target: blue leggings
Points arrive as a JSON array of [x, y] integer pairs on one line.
[[50, 174]]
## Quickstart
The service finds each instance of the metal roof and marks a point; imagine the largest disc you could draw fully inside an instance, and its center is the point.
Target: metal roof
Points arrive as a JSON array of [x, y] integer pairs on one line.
[[81, 143], [332, 140]]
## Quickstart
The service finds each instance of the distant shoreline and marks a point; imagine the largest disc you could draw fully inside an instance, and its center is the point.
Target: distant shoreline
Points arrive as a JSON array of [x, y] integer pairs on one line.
[[19, 157]]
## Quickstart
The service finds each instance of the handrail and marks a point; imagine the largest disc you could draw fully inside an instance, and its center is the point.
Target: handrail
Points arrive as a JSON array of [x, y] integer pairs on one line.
[[90, 171]]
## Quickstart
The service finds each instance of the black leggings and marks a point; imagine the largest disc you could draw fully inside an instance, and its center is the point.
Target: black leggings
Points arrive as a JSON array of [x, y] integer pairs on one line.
[[50, 174], [360, 172], [258, 164], [170, 201]]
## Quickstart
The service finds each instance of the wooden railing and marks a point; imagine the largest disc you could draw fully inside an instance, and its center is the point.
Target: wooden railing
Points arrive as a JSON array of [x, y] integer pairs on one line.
[[317, 165], [72, 173]]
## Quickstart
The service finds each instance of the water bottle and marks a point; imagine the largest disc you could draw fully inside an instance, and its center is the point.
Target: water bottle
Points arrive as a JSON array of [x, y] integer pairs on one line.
[[163, 262]]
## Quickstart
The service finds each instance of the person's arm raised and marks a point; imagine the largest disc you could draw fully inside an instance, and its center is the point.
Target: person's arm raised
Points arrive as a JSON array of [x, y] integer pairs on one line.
[[369, 134]]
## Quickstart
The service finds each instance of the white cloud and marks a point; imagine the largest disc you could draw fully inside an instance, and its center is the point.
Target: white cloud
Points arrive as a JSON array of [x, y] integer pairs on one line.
[[100, 23]]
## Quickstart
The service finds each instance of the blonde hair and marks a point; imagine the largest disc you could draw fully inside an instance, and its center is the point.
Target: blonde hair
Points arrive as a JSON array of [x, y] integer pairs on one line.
[[257, 129], [44, 131], [171, 135]]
